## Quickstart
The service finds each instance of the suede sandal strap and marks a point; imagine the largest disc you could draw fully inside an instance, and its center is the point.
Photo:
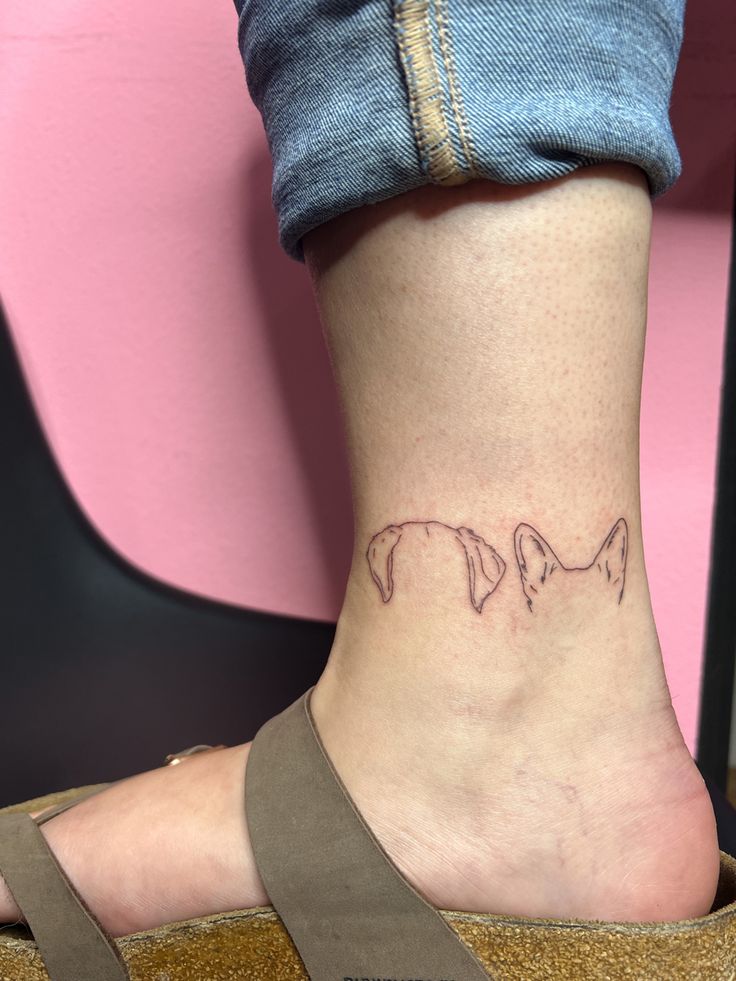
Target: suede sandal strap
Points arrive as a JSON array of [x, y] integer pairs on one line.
[[72, 944], [348, 910]]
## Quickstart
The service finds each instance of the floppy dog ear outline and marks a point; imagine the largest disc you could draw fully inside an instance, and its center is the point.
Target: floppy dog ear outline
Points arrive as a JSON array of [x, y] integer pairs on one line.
[[485, 566], [612, 556], [535, 558], [380, 555]]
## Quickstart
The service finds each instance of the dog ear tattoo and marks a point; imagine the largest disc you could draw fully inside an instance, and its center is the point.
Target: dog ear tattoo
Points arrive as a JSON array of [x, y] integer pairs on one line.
[[380, 556], [485, 565], [538, 564]]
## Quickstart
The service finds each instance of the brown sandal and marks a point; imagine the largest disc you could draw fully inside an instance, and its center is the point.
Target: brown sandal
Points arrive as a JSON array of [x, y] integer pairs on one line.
[[341, 911]]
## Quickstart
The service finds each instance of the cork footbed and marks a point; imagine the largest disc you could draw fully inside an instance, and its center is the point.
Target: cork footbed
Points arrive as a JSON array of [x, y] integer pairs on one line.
[[252, 944]]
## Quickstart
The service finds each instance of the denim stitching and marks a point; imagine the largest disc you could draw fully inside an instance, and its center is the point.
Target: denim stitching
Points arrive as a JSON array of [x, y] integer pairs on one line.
[[426, 103], [456, 97], [584, 80]]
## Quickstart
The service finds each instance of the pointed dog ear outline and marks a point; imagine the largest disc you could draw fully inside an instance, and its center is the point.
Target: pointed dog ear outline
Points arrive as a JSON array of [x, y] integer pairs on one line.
[[485, 566], [613, 554], [536, 560], [380, 555]]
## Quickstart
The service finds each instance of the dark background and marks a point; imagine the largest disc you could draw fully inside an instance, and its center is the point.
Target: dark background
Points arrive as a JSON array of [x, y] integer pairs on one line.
[[104, 670]]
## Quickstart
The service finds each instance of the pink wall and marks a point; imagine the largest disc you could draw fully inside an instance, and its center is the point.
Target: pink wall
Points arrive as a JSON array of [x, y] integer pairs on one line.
[[174, 351]]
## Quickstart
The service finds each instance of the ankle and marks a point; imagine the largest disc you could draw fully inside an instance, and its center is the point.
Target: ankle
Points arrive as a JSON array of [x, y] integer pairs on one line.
[[553, 803], [414, 660]]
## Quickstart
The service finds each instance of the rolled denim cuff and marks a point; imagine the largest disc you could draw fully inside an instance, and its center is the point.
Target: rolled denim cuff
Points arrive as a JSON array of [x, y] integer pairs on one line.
[[364, 100]]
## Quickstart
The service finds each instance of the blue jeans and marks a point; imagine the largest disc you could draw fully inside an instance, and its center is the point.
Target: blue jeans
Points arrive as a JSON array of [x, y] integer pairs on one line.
[[365, 99]]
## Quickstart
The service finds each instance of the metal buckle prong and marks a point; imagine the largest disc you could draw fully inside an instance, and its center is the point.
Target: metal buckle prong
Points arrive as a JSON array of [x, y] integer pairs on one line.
[[174, 758]]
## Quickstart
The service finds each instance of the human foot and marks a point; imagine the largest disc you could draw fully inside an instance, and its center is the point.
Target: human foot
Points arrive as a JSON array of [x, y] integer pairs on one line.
[[165, 845], [522, 816]]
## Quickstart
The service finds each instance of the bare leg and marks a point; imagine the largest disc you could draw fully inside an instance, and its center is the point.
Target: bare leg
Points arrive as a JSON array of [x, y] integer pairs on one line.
[[488, 345], [495, 702]]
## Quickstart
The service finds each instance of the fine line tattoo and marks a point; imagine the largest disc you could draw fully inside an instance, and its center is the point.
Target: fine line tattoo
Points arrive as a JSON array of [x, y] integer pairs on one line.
[[485, 566], [539, 565]]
